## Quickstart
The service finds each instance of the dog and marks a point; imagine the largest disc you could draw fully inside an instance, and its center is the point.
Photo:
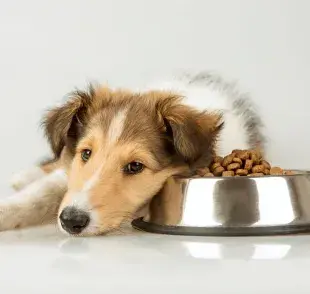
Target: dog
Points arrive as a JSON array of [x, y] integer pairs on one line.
[[115, 149]]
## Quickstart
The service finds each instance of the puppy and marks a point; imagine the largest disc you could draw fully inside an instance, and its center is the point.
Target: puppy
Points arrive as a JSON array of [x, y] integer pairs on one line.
[[115, 150]]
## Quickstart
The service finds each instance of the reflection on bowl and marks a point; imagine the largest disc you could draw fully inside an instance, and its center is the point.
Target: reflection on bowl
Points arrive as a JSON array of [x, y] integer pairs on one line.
[[232, 206]]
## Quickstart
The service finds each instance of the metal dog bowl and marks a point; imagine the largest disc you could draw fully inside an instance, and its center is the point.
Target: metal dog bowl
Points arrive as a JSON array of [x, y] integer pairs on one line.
[[236, 206]]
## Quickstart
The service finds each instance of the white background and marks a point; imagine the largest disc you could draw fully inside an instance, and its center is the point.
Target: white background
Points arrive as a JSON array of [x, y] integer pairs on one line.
[[49, 47]]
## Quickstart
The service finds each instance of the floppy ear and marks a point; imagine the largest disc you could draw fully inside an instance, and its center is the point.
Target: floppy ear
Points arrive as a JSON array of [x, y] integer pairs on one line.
[[63, 125], [192, 133]]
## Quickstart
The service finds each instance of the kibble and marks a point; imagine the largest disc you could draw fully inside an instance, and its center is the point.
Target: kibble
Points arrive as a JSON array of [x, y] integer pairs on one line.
[[241, 172], [237, 160], [243, 155], [248, 164], [288, 173], [228, 173], [241, 163], [203, 171], [233, 166], [218, 159], [228, 160], [275, 171], [258, 169], [254, 157], [266, 164], [256, 175], [218, 171], [214, 166]]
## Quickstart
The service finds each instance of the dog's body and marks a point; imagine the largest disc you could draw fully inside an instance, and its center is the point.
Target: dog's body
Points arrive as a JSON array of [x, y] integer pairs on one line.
[[115, 150]]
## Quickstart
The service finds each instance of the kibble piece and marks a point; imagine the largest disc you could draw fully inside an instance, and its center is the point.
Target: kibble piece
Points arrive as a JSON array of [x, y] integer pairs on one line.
[[202, 171], [228, 160], [218, 159], [236, 151], [243, 155], [228, 173], [265, 164], [254, 158], [209, 175], [258, 169], [256, 175], [248, 164], [233, 166], [241, 172], [257, 153], [289, 173], [275, 171], [237, 160], [215, 165], [218, 171]]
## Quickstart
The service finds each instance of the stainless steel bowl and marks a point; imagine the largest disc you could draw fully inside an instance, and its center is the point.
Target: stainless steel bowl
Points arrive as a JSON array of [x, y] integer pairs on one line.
[[236, 206]]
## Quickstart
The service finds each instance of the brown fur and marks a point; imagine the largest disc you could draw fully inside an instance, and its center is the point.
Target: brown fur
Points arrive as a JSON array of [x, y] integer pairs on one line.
[[159, 131], [166, 207]]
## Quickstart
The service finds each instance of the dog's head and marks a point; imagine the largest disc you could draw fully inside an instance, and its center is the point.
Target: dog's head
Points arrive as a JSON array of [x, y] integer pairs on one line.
[[122, 148]]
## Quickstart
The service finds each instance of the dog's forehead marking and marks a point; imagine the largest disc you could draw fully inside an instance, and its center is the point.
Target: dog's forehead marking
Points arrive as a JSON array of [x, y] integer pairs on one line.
[[90, 183], [80, 199], [116, 126], [114, 132]]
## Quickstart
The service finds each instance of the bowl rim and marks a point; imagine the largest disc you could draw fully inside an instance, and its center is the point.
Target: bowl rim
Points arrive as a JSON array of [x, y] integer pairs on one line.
[[299, 173], [220, 231]]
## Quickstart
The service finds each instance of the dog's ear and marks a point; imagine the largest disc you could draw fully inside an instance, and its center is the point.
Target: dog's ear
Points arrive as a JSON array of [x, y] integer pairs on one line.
[[192, 133], [63, 125]]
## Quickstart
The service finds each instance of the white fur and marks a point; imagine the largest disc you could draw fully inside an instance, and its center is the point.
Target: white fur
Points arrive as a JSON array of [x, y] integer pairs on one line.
[[35, 204], [25, 177], [116, 126], [80, 200], [93, 180]]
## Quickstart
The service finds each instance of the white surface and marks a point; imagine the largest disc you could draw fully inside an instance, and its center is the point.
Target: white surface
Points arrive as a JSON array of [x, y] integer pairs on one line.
[[42, 261], [49, 47]]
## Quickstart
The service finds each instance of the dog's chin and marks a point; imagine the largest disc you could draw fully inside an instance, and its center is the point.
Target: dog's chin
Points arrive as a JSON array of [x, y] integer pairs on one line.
[[116, 230], [87, 233]]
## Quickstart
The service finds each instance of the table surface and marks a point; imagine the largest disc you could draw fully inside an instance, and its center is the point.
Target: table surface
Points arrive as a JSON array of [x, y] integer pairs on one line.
[[43, 260]]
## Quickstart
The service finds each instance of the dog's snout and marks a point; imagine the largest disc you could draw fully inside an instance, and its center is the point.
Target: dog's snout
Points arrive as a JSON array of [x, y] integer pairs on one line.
[[73, 220]]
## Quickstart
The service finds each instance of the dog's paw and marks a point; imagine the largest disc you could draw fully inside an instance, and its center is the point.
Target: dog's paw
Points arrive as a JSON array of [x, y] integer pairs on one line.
[[26, 177]]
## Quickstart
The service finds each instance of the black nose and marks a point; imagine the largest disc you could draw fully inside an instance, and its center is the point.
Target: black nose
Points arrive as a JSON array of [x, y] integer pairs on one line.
[[73, 220]]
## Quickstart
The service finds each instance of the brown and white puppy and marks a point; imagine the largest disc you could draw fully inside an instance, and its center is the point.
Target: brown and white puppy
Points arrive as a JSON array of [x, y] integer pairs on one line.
[[115, 150]]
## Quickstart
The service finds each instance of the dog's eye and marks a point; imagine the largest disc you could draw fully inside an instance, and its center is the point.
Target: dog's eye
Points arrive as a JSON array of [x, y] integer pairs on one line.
[[133, 168], [86, 154]]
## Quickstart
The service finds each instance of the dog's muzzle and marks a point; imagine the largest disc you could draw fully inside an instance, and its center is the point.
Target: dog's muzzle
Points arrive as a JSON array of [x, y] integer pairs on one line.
[[73, 220]]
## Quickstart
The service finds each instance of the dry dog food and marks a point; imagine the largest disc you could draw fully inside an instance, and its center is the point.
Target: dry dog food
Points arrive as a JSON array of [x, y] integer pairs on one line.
[[241, 163]]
